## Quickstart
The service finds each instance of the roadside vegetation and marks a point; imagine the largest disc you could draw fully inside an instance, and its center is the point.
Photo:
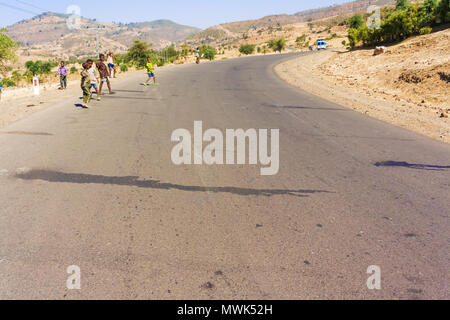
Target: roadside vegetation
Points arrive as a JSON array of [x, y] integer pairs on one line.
[[405, 20]]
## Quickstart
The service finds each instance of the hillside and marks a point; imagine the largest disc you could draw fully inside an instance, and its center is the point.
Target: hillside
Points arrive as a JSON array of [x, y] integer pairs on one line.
[[49, 32], [231, 33], [408, 85]]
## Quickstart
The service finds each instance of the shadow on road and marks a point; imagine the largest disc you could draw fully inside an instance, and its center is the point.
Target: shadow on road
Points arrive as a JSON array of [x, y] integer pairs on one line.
[[302, 108], [411, 165], [26, 133], [133, 181]]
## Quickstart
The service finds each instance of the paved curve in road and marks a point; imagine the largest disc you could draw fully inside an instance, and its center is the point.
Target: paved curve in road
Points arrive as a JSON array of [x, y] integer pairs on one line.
[[97, 189]]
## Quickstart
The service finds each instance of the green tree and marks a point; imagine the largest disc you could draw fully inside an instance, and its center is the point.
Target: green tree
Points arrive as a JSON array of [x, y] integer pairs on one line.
[[247, 49], [6, 82], [7, 50], [277, 45], [139, 52], [208, 52], [443, 11], [427, 12], [353, 37], [39, 67], [356, 21]]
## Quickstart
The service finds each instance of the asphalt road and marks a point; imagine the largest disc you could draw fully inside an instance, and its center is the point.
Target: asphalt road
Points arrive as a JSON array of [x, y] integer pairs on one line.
[[97, 189]]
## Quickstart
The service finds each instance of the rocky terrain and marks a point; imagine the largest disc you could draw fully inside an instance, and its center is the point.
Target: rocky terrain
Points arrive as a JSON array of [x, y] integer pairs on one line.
[[231, 33], [49, 32], [408, 85]]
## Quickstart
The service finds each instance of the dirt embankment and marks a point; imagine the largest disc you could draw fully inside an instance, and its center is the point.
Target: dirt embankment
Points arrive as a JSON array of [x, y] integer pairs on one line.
[[407, 86]]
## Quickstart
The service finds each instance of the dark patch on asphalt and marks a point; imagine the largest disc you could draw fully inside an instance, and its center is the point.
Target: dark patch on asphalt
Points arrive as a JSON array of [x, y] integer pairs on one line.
[[208, 286], [307, 262], [410, 235], [319, 226], [133, 181], [28, 133], [277, 106], [259, 226], [219, 273], [415, 291], [416, 166]]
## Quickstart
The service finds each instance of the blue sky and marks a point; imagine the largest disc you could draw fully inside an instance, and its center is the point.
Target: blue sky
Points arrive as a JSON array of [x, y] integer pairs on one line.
[[198, 13]]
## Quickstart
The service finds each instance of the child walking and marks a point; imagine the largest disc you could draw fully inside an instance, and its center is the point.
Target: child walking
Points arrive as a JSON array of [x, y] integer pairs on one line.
[[86, 84], [94, 77], [62, 71], [151, 73]]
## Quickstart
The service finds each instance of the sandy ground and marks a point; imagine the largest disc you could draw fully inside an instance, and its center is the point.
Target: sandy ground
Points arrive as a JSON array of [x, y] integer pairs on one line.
[[18, 103], [408, 86]]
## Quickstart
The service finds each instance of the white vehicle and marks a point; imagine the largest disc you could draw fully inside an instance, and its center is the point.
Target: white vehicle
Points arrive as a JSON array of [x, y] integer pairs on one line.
[[321, 44]]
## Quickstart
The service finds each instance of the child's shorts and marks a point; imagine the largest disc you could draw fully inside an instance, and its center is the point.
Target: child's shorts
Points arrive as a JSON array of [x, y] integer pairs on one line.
[[111, 65], [94, 85], [151, 75], [104, 79]]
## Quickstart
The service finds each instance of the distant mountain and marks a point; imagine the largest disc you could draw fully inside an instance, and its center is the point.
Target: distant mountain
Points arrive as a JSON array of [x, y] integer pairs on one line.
[[231, 32], [341, 9], [50, 31]]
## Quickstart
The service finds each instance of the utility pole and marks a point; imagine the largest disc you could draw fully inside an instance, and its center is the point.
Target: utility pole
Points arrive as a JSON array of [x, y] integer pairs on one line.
[[97, 37]]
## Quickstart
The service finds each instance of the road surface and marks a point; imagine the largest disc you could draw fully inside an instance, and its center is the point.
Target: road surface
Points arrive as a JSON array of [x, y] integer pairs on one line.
[[97, 189]]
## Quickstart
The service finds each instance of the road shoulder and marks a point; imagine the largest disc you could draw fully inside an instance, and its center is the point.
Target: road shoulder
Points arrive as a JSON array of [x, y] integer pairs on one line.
[[306, 72]]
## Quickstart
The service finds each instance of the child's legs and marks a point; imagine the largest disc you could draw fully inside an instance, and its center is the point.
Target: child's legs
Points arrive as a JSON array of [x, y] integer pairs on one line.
[[100, 88], [109, 86], [86, 94]]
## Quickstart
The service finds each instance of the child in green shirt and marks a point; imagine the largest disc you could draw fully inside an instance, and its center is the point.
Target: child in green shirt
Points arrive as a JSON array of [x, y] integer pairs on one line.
[[151, 72], [86, 84]]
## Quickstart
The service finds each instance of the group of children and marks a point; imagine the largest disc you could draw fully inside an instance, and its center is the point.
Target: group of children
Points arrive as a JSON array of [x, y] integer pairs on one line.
[[95, 75]]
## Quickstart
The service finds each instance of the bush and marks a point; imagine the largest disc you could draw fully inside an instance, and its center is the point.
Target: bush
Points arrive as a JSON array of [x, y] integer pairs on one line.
[[356, 21], [407, 20], [208, 52], [39, 67], [426, 30], [16, 76], [73, 70], [6, 82], [247, 49], [277, 45], [123, 67], [443, 11], [402, 5]]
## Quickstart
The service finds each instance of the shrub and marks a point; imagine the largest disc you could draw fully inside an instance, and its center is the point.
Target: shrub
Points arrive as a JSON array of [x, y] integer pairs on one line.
[[208, 52], [356, 21], [425, 30], [247, 49], [402, 5], [277, 45], [39, 67], [123, 67], [16, 76], [7, 82], [73, 70], [407, 20]]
